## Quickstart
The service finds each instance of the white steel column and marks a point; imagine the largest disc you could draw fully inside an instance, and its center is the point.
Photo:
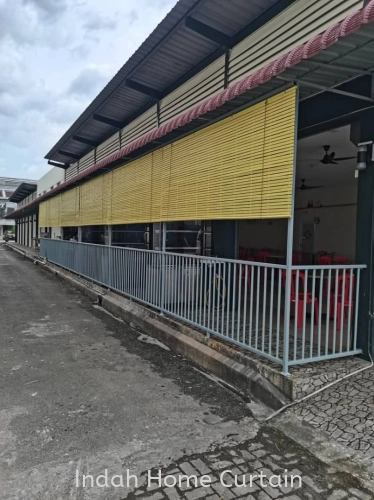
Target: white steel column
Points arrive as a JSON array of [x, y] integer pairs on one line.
[[108, 235], [290, 228], [29, 225], [35, 230], [163, 265]]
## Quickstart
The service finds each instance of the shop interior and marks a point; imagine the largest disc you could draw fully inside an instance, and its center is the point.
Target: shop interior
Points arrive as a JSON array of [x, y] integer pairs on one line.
[[325, 207]]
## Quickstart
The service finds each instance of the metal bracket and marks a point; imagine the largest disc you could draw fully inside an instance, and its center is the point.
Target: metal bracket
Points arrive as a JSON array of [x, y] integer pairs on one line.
[[67, 153], [143, 89], [207, 31], [328, 89], [83, 140], [107, 121]]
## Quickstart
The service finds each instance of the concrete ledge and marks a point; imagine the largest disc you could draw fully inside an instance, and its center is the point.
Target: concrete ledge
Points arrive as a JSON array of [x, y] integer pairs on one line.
[[251, 379], [244, 378], [284, 384]]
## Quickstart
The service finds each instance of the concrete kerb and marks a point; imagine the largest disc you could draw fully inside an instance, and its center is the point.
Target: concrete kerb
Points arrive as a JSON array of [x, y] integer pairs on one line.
[[249, 378], [325, 449]]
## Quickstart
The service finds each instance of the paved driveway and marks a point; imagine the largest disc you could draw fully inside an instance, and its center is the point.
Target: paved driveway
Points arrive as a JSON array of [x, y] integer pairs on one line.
[[82, 392]]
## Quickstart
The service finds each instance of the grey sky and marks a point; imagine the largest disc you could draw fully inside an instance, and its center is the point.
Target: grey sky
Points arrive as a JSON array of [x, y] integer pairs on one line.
[[55, 56]]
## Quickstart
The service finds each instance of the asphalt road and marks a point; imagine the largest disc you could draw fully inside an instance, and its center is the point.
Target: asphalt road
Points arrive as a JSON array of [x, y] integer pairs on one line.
[[79, 390], [82, 391]]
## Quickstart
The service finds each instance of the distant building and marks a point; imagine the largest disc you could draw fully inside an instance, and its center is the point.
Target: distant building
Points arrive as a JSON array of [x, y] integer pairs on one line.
[[7, 187]]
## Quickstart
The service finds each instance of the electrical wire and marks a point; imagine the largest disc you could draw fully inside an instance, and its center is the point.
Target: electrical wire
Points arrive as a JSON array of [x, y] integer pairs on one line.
[[321, 389]]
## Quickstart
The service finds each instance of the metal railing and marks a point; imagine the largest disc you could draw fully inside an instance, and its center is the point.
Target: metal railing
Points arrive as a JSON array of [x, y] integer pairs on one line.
[[241, 302], [324, 312]]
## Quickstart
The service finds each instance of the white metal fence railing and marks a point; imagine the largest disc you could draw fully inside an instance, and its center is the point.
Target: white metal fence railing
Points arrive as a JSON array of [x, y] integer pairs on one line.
[[242, 302]]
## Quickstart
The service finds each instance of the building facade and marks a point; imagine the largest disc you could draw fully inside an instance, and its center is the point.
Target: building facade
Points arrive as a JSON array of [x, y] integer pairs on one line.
[[201, 152], [26, 200], [7, 187]]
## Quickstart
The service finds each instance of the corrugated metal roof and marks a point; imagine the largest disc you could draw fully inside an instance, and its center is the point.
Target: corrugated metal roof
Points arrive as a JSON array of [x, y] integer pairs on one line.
[[318, 58], [350, 57], [167, 55], [230, 17], [23, 191]]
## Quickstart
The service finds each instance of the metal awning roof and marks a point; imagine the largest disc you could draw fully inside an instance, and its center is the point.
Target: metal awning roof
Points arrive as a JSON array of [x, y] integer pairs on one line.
[[324, 64], [23, 190], [175, 46]]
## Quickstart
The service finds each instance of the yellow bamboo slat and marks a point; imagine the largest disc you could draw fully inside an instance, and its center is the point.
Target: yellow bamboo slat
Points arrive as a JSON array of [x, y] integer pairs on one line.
[[91, 202], [239, 168]]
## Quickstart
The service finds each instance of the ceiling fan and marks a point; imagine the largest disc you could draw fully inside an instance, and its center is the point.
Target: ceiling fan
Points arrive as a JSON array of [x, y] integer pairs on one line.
[[304, 187], [330, 158]]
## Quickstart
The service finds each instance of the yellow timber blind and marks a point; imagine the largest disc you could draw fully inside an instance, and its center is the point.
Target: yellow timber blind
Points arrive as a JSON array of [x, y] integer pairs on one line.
[[238, 168]]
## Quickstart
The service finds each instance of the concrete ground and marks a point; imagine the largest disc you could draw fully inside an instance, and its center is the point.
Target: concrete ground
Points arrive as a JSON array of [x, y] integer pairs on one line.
[[82, 392]]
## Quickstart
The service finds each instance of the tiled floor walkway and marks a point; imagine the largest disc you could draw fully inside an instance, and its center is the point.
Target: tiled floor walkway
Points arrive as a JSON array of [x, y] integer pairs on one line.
[[268, 453], [345, 411]]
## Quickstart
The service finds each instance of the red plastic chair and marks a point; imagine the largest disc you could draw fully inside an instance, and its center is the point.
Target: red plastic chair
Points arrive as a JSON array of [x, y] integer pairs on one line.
[[324, 260], [242, 253], [340, 259], [339, 302], [298, 258], [262, 257], [321, 253], [301, 298], [249, 272]]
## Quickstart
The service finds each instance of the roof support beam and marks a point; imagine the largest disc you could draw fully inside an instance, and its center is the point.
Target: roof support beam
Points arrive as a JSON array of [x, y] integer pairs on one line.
[[67, 153], [328, 89], [338, 91], [143, 89], [83, 140], [341, 67], [327, 111], [106, 120], [207, 32], [56, 164]]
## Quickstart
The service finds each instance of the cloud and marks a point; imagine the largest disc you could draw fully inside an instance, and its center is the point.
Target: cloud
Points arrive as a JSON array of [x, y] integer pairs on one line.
[[97, 23], [133, 16], [89, 81], [50, 7], [32, 22], [35, 170], [55, 57], [9, 106]]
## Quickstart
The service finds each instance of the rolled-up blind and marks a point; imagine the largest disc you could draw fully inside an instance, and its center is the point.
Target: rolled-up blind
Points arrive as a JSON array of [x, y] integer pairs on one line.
[[91, 203], [70, 208], [239, 168], [43, 216], [50, 213], [131, 192]]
